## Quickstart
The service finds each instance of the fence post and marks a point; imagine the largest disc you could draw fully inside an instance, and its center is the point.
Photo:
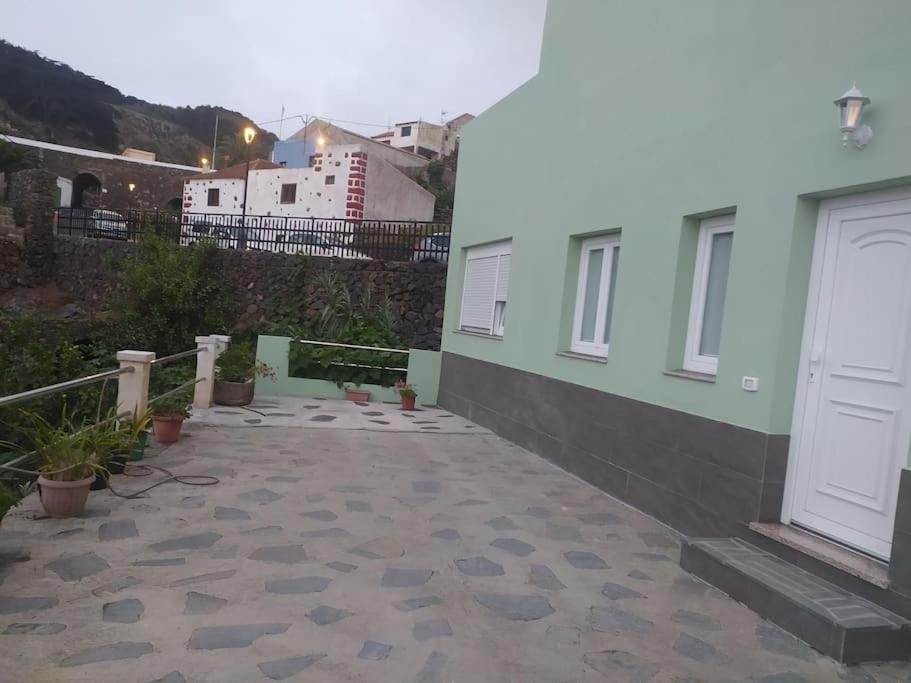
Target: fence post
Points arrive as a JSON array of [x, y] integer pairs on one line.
[[210, 347], [133, 387]]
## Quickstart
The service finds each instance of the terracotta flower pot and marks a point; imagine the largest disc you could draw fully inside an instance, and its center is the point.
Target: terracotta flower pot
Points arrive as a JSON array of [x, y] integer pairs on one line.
[[408, 402], [233, 393], [64, 498], [166, 428], [357, 395]]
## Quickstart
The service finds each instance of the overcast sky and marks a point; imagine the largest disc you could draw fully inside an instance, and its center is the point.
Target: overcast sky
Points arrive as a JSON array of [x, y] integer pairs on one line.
[[373, 61]]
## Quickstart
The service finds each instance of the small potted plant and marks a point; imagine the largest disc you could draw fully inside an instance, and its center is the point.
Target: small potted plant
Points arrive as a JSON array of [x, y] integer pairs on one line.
[[135, 435], [235, 375], [168, 414], [407, 394], [357, 395]]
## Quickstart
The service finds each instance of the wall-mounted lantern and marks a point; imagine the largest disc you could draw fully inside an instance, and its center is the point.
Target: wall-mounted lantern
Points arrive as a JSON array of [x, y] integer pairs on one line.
[[850, 111]]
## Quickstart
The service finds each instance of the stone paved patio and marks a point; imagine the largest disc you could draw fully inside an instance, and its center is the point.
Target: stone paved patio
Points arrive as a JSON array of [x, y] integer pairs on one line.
[[357, 555]]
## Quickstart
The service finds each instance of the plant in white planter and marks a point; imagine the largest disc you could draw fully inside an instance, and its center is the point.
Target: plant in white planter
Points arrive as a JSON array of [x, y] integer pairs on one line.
[[236, 370]]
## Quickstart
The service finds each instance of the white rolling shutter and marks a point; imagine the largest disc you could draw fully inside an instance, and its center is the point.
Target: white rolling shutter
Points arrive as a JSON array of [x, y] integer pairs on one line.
[[477, 297], [486, 282], [503, 278]]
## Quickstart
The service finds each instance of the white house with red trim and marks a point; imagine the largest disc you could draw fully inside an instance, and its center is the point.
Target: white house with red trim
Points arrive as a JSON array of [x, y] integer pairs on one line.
[[342, 182]]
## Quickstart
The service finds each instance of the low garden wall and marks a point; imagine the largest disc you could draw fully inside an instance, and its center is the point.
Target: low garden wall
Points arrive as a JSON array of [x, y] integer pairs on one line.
[[423, 374]]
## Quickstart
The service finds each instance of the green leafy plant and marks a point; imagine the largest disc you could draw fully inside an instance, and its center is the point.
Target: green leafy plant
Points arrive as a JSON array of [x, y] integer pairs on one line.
[[129, 430], [238, 363], [66, 451], [41, 361], [405, 390], [169, 294], [11, 495], [359, 317], [175, 405]]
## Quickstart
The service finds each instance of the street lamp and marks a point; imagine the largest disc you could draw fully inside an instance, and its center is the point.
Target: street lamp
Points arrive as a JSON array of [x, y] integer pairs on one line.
[[205, 163], [130, 187], [249, 134]]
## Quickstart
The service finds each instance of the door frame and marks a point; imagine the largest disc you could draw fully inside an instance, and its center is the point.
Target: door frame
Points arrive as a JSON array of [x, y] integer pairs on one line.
[[820, 241]]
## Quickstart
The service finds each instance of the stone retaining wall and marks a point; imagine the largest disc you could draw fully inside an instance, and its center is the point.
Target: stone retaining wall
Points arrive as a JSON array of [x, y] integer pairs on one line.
[[257, 281]]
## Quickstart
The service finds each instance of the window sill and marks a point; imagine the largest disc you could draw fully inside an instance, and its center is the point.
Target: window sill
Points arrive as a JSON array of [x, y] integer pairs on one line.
[[689, 374], [480, 335], [582, 356]]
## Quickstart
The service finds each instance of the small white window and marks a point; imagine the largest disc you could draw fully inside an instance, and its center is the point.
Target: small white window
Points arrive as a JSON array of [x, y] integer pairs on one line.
[[595, 295], [486, 289], [710, 283]]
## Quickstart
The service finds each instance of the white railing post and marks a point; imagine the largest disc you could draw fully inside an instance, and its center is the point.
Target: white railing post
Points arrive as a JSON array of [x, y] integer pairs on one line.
[[210, 347], [133, 387]]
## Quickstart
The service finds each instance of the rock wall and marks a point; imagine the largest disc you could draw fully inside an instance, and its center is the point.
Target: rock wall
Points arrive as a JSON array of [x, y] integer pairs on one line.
[[258, 281], [155, 185], [31, 196]]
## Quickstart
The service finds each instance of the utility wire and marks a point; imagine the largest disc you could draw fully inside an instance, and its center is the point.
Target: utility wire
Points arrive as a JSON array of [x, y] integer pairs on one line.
[[320, 116]]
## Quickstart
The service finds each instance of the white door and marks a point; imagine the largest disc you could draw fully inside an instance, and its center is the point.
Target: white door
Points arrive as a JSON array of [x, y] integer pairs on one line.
[[852, 418]]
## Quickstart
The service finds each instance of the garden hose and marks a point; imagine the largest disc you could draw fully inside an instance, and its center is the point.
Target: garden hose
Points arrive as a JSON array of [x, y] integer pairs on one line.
[[189, 479]]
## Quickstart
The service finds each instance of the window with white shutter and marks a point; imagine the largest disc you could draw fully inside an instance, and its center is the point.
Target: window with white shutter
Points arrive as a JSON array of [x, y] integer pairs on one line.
[[486, 289]]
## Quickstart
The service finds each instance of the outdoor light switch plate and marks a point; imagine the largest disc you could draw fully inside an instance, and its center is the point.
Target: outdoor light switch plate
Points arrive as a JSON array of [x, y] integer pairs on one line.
[[749, 383]]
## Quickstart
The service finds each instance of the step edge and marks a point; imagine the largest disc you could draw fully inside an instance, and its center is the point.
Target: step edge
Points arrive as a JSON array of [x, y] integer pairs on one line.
[[876, 575], [903, 623]]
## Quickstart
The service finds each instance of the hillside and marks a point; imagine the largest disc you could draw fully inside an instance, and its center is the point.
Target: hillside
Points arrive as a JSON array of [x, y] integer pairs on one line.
[[50, 101]]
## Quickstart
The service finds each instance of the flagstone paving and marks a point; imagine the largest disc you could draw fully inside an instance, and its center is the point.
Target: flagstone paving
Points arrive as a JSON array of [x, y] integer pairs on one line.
[[336, 554]]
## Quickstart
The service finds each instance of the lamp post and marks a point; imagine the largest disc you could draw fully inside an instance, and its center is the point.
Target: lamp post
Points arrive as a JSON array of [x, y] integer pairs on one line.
[[130, 187], [249, 134]]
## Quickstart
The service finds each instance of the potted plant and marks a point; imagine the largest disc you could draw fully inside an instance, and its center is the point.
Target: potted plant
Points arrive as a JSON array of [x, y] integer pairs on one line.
[[235, 375], [407, 394], [68, 457], [357, 395], [134, 437], [168, 414]]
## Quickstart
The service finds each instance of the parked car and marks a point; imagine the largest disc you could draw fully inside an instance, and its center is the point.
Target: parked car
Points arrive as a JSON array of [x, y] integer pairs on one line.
[[433, 248], [221, 234], [108, 224], [314, 244]]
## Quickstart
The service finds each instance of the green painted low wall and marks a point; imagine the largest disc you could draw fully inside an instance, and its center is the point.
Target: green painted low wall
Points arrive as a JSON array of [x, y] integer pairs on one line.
[[423, 374]]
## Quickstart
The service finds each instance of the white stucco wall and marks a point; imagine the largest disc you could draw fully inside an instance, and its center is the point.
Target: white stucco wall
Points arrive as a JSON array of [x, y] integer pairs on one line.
[[391, 195], [314, 198], [423, 134], [231, 195]]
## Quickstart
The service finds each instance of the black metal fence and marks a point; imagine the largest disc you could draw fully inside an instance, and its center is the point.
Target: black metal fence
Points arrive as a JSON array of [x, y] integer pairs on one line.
[[331, 237]]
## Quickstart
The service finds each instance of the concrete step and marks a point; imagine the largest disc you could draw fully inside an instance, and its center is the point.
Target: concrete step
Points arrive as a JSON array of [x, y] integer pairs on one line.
[[831, 619]]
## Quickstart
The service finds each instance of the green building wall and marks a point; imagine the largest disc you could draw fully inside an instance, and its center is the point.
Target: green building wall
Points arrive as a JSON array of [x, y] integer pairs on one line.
[[645, 117]]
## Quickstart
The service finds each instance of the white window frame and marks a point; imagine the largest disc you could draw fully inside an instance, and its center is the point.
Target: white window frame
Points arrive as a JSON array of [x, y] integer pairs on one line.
[[496, 328], [608, 243], [692, 359]]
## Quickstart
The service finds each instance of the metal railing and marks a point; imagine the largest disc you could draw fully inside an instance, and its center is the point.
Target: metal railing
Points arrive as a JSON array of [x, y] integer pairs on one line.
[[15, 463], [164, 360], [378, 349], [125, 397], [177, 389], [63, 386], [329, 237]]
